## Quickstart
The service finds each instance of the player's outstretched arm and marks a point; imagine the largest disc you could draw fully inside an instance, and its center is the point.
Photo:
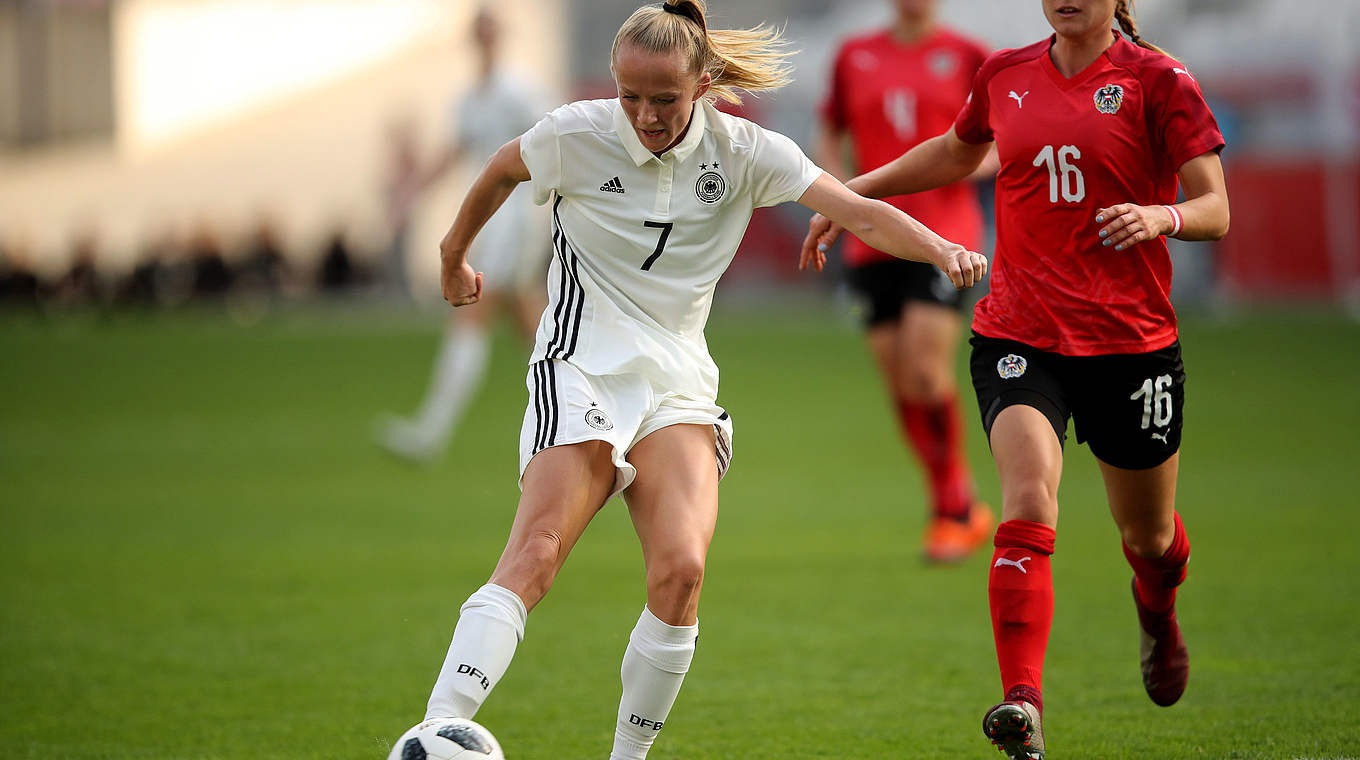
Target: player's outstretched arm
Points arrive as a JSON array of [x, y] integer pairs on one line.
[[1203, 216], [941, 160], [889, 230], [498, 178], [937, 162]]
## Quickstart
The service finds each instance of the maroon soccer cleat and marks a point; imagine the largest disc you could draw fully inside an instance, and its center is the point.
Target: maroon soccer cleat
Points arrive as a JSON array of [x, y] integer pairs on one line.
[[1016, 729], [1162, 653]]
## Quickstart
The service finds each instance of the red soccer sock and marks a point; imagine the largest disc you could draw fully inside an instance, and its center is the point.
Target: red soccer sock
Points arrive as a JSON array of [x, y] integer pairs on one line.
[[1157, 578], [1020, 592], [936, 437]]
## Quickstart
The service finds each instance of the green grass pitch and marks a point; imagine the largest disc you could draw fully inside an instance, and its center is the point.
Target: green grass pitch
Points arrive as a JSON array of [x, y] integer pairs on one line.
[[204, 557]]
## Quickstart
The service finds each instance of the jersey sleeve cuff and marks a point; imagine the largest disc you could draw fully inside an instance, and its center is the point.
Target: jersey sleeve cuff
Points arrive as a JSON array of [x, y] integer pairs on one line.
[[1197, 148]]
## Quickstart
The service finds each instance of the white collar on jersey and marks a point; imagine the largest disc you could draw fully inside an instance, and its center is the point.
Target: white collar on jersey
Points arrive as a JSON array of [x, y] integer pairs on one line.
[[640, 155]]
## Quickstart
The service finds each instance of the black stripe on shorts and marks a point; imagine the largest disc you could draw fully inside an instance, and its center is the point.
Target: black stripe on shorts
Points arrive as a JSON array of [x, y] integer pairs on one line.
[[545, 404]]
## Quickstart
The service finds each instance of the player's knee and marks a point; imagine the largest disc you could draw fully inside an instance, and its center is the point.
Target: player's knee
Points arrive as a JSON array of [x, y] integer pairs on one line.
[[931, 387], [1031, 500], [924, 382], [674, 582], [1148, 538]]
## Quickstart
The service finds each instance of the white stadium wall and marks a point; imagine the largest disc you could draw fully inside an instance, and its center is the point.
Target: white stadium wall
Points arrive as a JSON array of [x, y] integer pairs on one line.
[[282, 109]]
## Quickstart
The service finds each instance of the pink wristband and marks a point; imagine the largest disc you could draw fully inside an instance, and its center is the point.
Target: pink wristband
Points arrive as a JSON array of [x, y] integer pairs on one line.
[[1176, 220]]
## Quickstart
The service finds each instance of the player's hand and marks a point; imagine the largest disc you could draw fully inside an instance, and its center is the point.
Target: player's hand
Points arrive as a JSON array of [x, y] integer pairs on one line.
[[1128, 225], [822, 234], [461, 284], [965, 268]]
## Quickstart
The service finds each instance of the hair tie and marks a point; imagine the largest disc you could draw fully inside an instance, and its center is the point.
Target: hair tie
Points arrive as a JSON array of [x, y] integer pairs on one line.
[[667, 7]]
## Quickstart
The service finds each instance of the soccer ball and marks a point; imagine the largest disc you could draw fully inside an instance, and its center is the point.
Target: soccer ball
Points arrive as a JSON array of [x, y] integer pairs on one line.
[[446, 739]]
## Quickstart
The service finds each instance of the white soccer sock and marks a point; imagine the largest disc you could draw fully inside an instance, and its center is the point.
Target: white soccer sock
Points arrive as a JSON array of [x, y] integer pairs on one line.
[[490, 626], [654, 666], [458, 372]]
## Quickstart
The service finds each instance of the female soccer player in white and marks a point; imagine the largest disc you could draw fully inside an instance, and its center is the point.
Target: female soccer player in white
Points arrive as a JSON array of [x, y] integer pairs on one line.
[[651, 194], [495, 110]]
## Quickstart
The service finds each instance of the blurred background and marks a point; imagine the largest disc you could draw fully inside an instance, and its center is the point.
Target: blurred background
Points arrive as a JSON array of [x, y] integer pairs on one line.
[[218, 268], [153, 151]]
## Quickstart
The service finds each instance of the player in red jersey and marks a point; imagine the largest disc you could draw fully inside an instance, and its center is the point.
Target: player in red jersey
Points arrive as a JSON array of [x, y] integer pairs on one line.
[[889, 91], [1093, 130]]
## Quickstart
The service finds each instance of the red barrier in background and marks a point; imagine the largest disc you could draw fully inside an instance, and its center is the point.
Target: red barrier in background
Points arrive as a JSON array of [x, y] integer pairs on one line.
[[1284, 237]]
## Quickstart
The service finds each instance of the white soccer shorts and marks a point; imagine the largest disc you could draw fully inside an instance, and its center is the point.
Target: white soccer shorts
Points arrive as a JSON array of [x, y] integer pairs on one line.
[[568, 406]]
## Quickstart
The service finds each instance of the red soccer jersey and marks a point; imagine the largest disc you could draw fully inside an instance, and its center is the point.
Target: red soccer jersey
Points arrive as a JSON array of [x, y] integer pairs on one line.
[[889, 96], [1116, 132]]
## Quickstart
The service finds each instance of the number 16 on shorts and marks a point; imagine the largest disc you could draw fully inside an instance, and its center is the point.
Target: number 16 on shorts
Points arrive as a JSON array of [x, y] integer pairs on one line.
[[1155, 394]]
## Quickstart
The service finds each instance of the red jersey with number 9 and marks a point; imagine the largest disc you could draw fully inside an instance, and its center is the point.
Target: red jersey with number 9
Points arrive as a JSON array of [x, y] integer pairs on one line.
[[889, 96], [1116, 132]]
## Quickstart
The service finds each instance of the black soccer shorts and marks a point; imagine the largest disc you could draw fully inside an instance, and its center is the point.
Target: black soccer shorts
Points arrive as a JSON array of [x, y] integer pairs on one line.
[[1126, 407], [887, 286]]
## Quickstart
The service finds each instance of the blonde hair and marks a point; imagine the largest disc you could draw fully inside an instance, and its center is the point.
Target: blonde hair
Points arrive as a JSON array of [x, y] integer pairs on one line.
[[1123, 13], [754, 60]]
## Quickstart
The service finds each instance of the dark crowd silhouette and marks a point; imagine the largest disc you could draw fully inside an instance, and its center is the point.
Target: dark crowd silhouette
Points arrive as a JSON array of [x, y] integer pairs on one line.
[[192, 267]]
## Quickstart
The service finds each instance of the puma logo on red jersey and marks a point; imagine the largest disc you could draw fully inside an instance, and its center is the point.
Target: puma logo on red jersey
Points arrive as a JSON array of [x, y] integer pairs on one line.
[[1019, 98]]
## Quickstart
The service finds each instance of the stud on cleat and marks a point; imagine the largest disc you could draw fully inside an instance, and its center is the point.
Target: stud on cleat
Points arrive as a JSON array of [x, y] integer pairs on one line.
[[1016, 729]]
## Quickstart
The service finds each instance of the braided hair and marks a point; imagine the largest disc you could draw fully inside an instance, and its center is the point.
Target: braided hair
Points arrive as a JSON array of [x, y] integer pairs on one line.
[[1123, 14]]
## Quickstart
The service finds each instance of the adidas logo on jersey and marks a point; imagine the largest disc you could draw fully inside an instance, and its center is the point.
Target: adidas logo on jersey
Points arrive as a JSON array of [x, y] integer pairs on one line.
[[613, 186]]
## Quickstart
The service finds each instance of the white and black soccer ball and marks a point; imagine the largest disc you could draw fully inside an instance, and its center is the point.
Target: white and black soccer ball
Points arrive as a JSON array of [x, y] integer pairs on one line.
[[446, 739]]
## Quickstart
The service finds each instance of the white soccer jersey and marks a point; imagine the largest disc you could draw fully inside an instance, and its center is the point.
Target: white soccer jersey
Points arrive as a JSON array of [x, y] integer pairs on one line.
[[639, 242], [492, 114], [486, 117]]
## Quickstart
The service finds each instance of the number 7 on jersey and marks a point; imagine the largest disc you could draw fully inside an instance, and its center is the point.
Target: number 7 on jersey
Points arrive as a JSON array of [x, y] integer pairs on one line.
[[665, 228]]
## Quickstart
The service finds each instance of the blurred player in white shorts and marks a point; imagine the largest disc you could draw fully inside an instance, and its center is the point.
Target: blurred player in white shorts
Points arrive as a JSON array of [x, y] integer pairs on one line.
[[651, 194], [495, 111]]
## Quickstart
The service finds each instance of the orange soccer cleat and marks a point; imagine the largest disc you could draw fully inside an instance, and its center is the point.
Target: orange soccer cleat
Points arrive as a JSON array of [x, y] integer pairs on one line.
[[948, 540]]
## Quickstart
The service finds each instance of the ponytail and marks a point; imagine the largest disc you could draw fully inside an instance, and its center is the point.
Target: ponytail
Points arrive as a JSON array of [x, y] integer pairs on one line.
[[754, 60], [1123, 13]]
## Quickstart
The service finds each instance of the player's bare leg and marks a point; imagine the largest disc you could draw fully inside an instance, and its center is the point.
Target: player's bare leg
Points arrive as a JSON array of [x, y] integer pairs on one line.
[[1143, 503], [1020, 585], [1029, 460], [564, 486], [915, 355], [674, 507], [927, 338]]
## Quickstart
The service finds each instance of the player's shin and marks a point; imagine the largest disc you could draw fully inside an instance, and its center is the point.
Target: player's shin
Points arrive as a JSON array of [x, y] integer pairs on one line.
[[490, 626], [654, 666]]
